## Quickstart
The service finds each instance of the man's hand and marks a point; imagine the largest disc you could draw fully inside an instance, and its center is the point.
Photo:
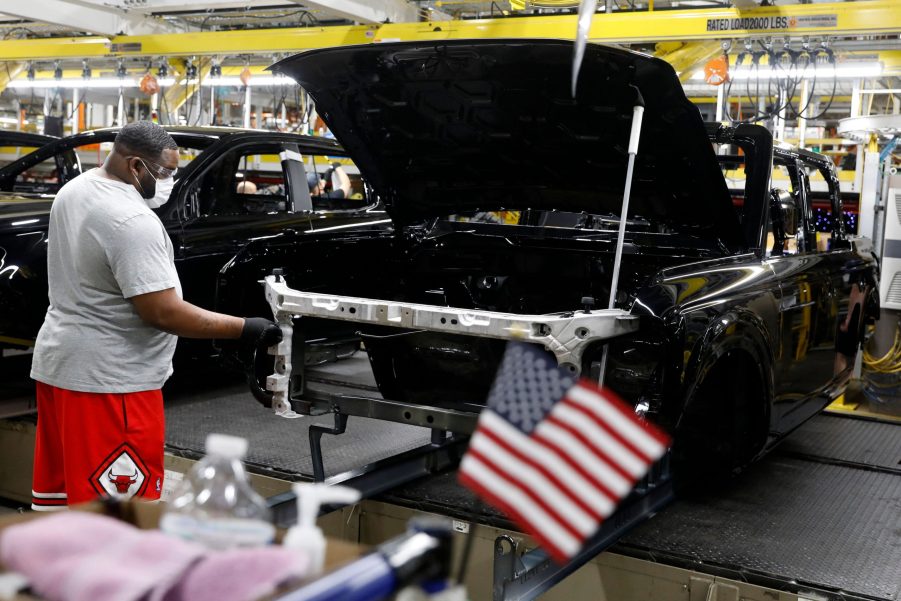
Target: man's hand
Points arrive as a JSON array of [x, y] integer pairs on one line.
[[260, 332]]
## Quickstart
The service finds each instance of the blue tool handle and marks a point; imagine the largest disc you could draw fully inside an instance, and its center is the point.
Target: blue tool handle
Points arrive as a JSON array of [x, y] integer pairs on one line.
[[370, 578]]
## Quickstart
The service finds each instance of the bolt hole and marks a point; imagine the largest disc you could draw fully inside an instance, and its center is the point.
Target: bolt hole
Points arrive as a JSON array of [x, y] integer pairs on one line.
[[443, 320], [408, 415], [342, 309], [582, 333], [430, 418], [453, 322], [352, 310]]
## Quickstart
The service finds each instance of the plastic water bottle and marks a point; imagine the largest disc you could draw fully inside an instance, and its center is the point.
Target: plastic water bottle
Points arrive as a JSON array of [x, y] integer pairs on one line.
[[215, 505]]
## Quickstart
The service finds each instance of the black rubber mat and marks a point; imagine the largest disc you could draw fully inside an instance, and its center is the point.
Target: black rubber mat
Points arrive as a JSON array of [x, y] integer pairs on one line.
[[277, 444], [831, 437], [827, 525]]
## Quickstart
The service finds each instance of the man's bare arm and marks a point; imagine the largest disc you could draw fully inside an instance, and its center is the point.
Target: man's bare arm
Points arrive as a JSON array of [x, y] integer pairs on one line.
[[166, 311]]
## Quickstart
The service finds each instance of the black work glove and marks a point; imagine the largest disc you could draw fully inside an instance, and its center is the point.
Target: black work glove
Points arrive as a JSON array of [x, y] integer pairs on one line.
[[259, 332]]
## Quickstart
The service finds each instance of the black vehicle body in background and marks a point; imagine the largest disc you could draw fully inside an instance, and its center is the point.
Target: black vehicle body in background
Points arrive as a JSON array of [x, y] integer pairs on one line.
[[14, 144], [206, 217], [740, 340]]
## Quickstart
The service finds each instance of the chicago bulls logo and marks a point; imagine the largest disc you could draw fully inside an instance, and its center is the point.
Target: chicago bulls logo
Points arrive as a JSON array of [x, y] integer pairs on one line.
[[123, 482], [121, 475]]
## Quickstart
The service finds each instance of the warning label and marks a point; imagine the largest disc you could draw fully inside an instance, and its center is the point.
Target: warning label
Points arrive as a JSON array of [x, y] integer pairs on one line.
[[771, 23]]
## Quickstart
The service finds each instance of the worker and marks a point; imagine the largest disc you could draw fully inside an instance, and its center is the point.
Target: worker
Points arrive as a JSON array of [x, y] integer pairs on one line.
[[106, 346], [317, 185], [246, 187]]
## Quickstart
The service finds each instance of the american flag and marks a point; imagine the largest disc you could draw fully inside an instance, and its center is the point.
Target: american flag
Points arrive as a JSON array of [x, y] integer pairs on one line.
[[554, 454]]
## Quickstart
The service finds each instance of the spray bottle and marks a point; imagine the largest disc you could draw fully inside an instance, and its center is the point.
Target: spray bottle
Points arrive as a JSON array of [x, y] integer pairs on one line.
[[306, 536]]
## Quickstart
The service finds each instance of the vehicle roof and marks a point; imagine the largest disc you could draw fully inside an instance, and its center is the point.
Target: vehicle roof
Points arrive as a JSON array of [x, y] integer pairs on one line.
[[202, 136], [26, 138]]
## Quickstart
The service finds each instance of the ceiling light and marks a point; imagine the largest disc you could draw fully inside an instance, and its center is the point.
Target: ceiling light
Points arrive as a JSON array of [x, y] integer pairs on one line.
[[100, 82], [822, 73], [256, 81]]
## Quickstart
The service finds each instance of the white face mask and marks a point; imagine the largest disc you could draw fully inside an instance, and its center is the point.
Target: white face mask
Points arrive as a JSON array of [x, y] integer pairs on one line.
[[161, 197]]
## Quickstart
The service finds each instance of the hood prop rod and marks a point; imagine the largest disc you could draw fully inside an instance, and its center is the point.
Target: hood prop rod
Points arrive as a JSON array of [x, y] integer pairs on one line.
[[634, 135]]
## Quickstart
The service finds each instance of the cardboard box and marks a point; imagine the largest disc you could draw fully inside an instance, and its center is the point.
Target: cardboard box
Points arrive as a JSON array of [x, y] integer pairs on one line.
[[146, 516]]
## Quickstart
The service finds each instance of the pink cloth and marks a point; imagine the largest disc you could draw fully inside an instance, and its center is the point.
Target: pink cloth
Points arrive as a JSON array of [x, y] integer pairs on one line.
[[239, 575], [76, 556]]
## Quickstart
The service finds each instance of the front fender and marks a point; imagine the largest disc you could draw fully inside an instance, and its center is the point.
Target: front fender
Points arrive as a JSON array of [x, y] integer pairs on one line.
[[736, 330]]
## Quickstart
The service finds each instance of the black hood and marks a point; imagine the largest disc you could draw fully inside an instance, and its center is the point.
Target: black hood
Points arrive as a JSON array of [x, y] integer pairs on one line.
[[443, 127]]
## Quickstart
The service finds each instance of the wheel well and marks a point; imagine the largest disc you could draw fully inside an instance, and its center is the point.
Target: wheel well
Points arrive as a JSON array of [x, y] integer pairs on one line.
[[724, 424]]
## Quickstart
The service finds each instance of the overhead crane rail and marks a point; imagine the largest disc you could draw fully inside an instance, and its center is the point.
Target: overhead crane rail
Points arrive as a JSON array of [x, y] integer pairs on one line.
[[868, 17]]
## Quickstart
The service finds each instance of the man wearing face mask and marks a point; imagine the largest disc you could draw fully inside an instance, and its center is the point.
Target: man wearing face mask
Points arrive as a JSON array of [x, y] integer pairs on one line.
[[105, 348]]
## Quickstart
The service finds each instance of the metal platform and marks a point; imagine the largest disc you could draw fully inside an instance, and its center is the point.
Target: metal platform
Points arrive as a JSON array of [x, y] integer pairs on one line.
[[279, 447]]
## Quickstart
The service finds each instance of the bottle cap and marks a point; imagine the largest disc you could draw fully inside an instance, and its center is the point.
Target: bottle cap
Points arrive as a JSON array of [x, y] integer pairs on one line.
[[233, 447]]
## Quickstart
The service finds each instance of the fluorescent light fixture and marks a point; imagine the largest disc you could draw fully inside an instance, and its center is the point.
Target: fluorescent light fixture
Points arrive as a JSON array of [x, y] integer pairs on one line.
[[255, 81], [24, 222], [10, 120], [100, 82], [823, 72]]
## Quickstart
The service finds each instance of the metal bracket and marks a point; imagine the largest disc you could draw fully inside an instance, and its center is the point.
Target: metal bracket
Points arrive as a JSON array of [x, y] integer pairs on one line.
[[316, 433]]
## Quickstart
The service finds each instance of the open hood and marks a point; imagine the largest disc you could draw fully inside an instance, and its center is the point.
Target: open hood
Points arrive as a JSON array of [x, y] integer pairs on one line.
[[444, 127]]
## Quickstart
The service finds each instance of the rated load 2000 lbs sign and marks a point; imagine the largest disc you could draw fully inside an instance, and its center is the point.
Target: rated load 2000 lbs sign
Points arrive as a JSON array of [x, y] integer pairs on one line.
[[768, 23]]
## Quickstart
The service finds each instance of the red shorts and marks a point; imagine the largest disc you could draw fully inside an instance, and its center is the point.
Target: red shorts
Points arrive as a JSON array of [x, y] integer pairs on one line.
[[91, 445]]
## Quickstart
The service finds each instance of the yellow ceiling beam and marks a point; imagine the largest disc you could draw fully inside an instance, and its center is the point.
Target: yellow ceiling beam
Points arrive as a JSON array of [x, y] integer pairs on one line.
[[178, 94], [832, 18], [688, 56]]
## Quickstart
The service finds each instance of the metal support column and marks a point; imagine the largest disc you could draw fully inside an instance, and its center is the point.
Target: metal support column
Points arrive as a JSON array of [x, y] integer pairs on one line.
[[720, 102], [247, 107], [802, 118], [76, 100], [120, 110]]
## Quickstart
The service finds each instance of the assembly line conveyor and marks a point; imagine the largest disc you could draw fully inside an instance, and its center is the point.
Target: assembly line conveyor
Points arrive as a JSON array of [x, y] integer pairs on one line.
[[821, 515]]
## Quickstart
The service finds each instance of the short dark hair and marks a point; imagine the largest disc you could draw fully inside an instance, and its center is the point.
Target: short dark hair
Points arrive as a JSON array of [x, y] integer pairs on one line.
[[144, 139]]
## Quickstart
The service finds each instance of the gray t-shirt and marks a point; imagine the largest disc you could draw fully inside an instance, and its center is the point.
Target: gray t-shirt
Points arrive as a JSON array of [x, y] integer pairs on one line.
[[104, 246]]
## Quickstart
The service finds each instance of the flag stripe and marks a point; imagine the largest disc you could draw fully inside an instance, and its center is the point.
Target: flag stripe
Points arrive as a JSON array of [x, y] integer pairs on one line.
[[577, 433], [561, 436], [570, 505], [519, 504], [628, 411], [607, 501], [580, 486], [539, 498], [643, 440], [474, 484], [619, 455], [640, 458]]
